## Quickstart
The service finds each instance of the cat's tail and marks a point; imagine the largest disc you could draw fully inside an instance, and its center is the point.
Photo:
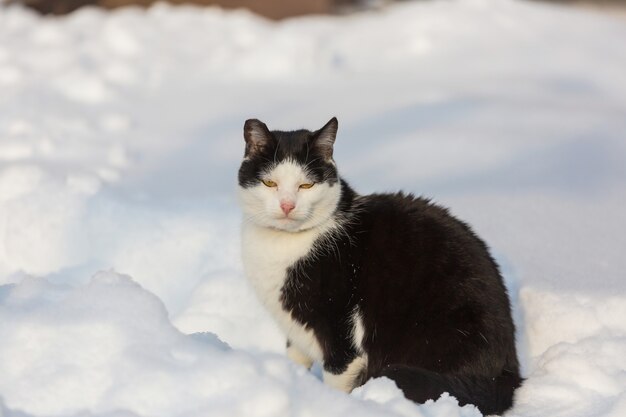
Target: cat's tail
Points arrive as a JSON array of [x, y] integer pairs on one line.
[[490, 395]]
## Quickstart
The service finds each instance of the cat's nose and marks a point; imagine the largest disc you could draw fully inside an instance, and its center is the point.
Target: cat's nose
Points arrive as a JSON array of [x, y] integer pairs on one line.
[[287, 206]]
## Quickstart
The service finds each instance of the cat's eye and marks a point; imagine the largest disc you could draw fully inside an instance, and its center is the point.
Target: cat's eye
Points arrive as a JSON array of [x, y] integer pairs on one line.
[[306, 186], [269, 183]]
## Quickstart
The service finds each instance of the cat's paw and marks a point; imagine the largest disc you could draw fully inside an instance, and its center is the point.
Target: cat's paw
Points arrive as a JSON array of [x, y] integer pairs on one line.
[[347, 380], [299, 357]]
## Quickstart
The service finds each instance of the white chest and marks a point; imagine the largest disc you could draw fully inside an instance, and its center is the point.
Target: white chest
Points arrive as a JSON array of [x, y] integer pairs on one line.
[[267, 254]]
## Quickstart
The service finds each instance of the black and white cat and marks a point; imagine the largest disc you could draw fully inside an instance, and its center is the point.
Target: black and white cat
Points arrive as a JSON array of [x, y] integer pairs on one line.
[[377, 285]]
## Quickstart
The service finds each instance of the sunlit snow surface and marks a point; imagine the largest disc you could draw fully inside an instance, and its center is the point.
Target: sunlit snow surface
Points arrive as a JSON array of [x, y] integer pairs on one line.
[[120, 139]]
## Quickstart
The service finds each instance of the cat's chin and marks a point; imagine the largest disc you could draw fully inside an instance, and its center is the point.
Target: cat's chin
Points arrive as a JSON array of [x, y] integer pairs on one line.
[[291, 225], [288, 225]]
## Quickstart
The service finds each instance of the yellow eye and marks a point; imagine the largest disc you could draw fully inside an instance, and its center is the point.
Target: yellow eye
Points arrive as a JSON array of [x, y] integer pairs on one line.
[[269, 183], [306, 186]]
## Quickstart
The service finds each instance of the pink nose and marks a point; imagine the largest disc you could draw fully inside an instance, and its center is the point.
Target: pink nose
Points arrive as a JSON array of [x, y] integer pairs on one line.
[[287, 206]]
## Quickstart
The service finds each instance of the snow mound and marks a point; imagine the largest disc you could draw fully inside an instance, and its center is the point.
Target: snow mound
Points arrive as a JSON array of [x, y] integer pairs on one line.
[[578, 344], [109, 347], [385, 392]]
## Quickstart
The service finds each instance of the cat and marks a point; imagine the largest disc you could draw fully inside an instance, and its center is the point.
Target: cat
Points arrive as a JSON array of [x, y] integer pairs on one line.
[[376, 285]]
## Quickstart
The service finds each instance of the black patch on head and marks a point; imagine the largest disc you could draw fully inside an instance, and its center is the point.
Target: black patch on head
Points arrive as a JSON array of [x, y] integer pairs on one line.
[[266, 149]]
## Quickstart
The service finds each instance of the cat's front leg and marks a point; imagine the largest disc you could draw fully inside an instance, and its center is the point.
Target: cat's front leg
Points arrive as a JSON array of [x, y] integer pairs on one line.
[[298, 356], [345, 372]]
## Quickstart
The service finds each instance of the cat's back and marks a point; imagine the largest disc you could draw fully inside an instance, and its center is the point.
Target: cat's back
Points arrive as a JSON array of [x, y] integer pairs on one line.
[[434, 279], [403, 220], [415, 250]]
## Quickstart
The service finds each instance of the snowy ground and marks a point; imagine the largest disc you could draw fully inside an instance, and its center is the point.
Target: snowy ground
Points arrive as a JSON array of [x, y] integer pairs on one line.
[[120, 137]]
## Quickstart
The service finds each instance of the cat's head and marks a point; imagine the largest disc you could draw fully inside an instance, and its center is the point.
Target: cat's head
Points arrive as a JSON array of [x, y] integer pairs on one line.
[[288, 180]]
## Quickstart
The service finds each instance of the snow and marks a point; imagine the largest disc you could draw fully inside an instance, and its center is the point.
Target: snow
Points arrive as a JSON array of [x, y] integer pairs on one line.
[[121, 288]]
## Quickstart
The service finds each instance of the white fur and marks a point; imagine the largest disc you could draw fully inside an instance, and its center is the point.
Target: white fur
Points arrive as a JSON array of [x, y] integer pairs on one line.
[[299, 357], [267, 253], [345, 380], [313, 207], [358, 330], [272, 242]]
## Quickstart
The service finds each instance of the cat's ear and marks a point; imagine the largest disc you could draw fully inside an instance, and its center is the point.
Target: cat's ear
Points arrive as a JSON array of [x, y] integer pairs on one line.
[[324, 139], [257, 136]]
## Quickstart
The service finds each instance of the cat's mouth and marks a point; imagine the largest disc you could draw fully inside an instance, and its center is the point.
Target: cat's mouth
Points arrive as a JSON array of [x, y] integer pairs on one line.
[[288, 219], [288, 223]]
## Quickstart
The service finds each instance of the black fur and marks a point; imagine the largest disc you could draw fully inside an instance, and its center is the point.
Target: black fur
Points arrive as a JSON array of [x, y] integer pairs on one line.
[[435, 311], [265, 148]]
